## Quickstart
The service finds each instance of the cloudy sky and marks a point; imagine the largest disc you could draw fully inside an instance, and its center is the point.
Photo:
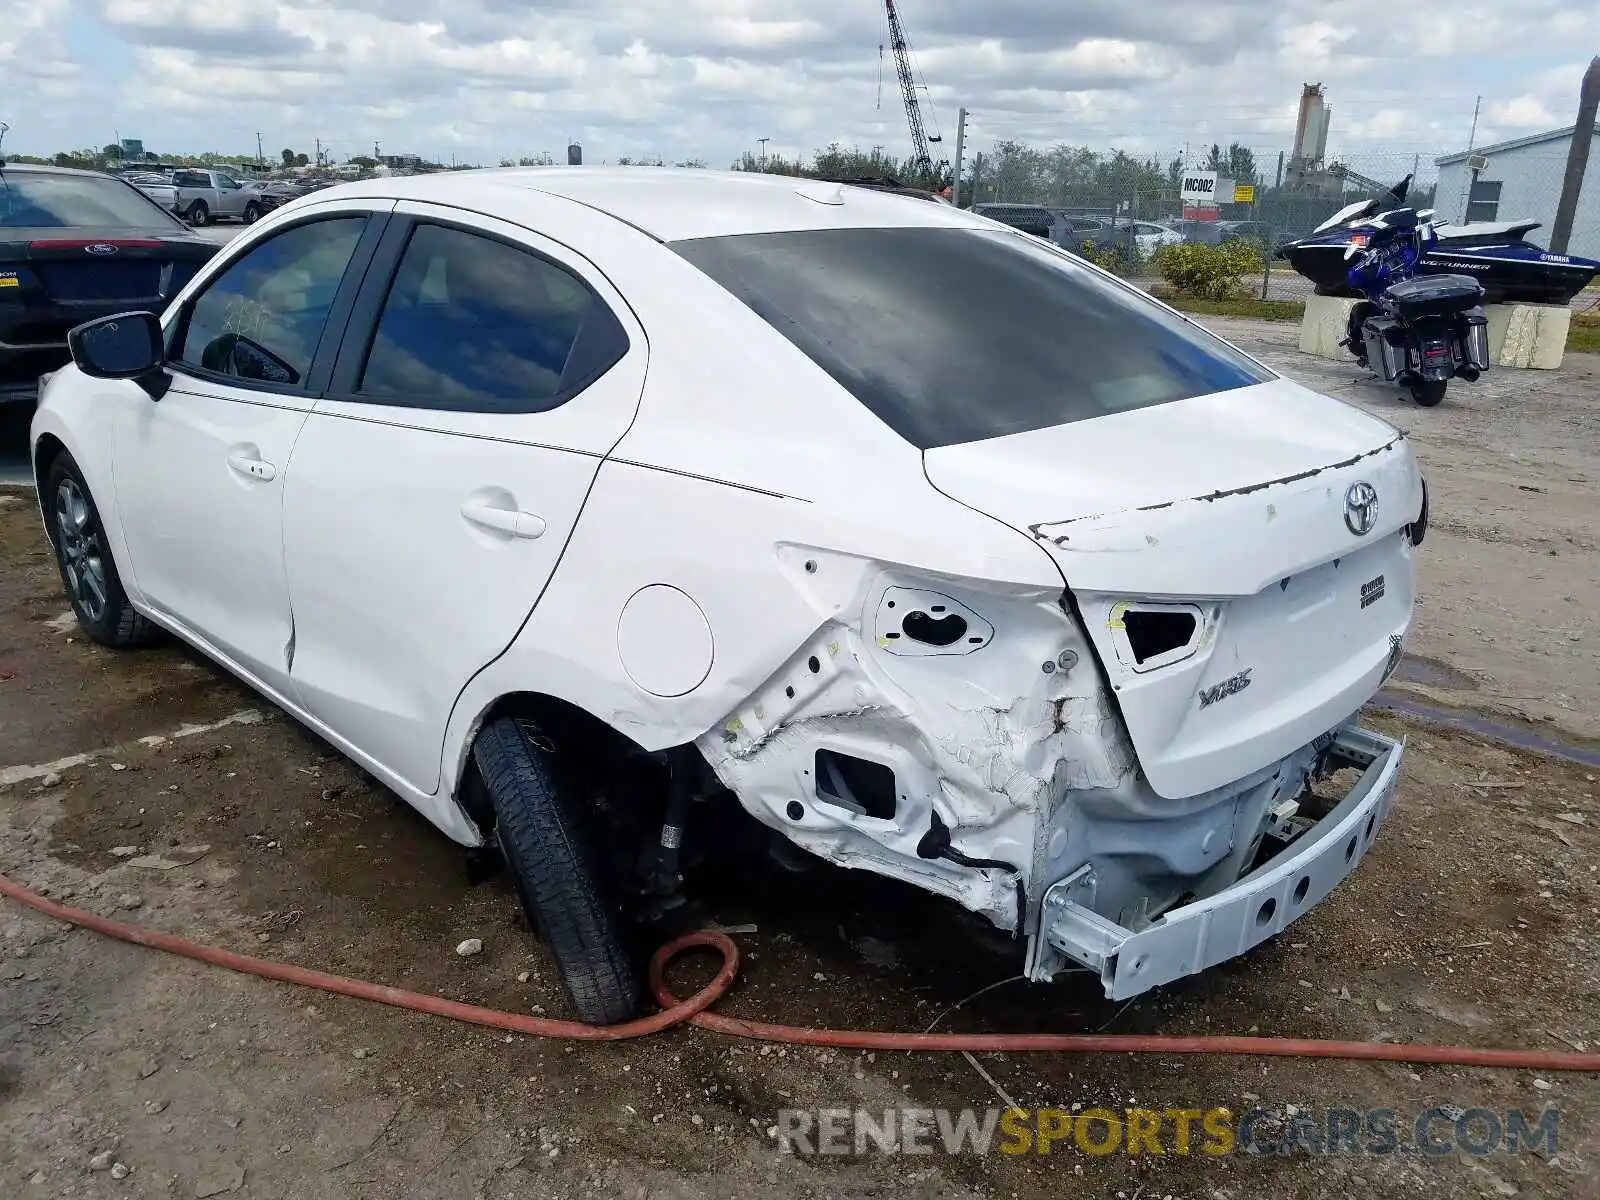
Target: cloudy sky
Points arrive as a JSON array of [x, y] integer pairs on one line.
[[483, 79]]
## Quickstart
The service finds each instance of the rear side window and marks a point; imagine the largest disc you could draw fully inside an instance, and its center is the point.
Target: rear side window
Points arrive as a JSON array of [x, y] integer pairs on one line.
[[957, 335], [475, 324]]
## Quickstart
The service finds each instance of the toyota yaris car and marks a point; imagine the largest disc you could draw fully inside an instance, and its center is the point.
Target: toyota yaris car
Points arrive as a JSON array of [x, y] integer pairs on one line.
[[566, 502]]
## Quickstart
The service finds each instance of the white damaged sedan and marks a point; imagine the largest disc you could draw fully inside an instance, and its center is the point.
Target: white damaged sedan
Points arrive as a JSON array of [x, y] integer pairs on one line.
[[569, 503]]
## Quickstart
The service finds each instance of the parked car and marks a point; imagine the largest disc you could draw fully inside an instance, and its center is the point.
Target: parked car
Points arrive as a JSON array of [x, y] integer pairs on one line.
[[75, 245], [979, 596], [1029, 218], [1075, 232], [203, 196], [159, 188], [272, 193], [1151, 235]]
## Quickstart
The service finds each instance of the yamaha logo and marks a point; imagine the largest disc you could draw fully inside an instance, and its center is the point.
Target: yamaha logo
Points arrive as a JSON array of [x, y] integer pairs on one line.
[[100, 248], [1361, 508]]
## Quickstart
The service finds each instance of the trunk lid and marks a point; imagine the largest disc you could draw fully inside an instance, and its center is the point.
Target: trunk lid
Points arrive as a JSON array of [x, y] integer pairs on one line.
[[1238, 615], [53, 279], [70, 266]]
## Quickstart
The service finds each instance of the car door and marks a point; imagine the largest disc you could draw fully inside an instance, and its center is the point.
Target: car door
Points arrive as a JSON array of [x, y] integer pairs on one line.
[[199, 473], [487, 373], [231, 196]]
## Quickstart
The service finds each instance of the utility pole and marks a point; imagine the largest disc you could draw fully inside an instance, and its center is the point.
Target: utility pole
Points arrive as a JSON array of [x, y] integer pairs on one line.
[[374, 149], [260, 158], [961, 145], [1577, 159], [1266, 255], [317, 161], [764, 142], [1472, 176]]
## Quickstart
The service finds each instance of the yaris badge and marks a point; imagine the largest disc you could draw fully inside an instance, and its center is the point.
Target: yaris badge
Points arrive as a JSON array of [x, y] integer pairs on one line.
[[1361, 508], [100, 248]]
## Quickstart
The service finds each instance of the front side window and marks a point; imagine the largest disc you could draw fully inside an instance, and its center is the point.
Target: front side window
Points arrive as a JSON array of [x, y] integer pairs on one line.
[[475, 324], [957, 335], [260, 320]]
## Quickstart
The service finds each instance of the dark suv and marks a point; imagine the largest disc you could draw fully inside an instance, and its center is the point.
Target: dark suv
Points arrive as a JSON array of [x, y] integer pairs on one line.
[[1030, 218]]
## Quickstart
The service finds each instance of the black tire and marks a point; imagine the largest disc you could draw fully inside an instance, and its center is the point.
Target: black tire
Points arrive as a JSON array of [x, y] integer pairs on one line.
[[252, 213], [1429, 392], [544, 833], [199, 214], [83, 556]]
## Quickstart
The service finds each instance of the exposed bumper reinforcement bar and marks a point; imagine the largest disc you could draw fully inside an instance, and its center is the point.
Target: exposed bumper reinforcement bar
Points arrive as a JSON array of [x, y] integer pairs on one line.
[[1198, 936]]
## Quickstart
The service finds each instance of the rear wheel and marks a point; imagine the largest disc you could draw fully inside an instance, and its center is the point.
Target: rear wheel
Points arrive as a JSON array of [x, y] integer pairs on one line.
[[1428, 392], [199, 214], [84, 558], [545, 831]]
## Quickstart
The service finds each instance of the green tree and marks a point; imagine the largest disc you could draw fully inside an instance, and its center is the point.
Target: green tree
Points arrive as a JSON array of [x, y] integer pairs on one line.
[[112, 151], [288, 156], [1242, 165], [300, 160]]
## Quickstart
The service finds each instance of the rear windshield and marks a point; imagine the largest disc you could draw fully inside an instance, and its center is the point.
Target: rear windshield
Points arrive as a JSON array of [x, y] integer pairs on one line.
[[30, 201], [958, 335]]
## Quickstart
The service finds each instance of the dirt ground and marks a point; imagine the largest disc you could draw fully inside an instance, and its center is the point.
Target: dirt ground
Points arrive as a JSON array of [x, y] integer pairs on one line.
[[152, 787]]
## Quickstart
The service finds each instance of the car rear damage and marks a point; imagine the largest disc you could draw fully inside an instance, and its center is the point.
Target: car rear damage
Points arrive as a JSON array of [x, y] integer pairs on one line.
[[1145, 773]]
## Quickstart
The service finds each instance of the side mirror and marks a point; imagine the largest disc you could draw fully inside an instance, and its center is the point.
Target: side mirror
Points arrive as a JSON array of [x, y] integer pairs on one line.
[[125, 346]]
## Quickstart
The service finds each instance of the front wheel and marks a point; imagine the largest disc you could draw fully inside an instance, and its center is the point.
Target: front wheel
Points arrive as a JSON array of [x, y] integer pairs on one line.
[[252, 213], [1428, 392], [83, 555]]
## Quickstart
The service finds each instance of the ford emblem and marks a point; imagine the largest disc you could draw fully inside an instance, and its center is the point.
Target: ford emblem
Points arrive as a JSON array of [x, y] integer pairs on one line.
[[1361, 508], [100, 248]]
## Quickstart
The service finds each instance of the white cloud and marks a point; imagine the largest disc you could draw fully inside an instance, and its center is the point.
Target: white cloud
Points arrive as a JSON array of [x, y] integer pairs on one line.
[[706, 78]]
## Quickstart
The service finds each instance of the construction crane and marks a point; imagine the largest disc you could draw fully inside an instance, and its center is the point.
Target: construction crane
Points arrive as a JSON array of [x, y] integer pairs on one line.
[[922, 159]]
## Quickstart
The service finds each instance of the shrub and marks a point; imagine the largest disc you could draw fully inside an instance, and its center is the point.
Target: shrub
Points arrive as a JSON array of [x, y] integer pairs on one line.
[[1118, 259], [1208, 272]]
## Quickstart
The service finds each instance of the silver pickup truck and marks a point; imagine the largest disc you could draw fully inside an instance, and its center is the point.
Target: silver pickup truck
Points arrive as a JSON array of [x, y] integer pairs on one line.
[[203, 196]]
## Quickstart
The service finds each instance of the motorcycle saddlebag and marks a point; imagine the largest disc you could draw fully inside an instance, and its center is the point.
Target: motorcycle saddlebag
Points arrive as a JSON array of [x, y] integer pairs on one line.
[[1386, 346]]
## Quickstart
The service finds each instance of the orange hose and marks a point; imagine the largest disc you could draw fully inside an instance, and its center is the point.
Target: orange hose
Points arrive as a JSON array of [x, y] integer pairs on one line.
[[695, 1011]]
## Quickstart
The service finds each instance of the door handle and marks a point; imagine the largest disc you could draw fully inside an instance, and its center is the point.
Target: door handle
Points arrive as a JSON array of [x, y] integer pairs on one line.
[[246, 463], [503, 520]]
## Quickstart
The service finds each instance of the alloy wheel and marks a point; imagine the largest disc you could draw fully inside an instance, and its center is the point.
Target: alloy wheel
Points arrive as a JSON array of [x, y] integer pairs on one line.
[[80, 549]]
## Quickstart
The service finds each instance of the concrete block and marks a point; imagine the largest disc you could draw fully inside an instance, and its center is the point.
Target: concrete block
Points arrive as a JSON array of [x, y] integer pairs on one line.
[[1520, 335], [1326, 322], [1528, 335]]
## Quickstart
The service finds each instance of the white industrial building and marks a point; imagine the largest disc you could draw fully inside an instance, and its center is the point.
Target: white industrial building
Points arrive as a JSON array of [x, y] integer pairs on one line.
[[1521, 180]]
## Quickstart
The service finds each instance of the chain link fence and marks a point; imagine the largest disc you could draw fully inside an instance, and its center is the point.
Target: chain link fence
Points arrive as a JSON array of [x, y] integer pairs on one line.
[[1121, 208]]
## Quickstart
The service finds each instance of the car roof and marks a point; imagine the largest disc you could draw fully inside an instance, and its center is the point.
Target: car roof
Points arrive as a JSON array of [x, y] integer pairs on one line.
[[16, 168], [673, 204]]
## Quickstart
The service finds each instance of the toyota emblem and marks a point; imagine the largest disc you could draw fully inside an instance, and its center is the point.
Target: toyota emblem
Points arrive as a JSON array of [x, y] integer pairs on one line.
[[100, 248], [1361, 508]]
